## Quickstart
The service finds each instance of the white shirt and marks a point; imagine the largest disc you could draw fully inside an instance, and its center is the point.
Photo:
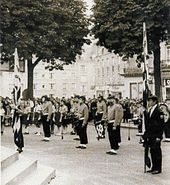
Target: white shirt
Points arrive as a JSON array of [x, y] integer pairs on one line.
[[152, 109]]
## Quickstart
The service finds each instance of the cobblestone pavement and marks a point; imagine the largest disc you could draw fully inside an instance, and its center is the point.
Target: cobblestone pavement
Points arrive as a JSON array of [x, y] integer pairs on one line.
[[92, 166]]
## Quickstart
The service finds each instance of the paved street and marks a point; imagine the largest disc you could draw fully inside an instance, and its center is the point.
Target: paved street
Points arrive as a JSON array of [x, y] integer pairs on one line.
[[92, 166]]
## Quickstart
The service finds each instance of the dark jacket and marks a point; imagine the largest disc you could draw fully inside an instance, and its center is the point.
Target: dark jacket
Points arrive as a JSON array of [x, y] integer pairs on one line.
[[154, 124]]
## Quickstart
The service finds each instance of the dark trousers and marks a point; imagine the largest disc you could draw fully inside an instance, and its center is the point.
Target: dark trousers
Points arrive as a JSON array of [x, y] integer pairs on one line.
[[52, 124], [118, 134], [18, 136], [156, 155], [46, 126], [113, 137], [36, 119], [82, 132], [24, 120], [167, 129]]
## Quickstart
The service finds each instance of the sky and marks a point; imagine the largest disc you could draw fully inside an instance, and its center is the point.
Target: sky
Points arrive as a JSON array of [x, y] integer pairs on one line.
[[89, 4]]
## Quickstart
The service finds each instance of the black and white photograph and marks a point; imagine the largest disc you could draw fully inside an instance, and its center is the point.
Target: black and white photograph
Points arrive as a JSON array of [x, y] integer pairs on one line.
[[85, 92]]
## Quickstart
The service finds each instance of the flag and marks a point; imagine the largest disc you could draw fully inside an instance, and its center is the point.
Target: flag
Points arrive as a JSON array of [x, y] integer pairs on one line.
[[146, 92], [16, 92], [17, 80]]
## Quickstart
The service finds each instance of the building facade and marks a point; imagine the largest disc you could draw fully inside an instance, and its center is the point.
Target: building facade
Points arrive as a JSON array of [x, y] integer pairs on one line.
[[77, 78], [95, 72], [165, 69]]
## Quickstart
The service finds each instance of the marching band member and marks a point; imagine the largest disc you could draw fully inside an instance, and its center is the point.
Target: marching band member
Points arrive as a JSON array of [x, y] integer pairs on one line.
[[37, 116], [100, 117], [63, 112], [167, 123], [27, 116], [46, 116], [101, 108], [2, 115], [83, 114], [18, 119], [56, 117], [73, 111], [115, 116], [93, 107], [53, 117]]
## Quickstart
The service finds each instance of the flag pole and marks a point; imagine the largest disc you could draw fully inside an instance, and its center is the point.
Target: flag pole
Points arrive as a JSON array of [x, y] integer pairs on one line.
[[145, 86]]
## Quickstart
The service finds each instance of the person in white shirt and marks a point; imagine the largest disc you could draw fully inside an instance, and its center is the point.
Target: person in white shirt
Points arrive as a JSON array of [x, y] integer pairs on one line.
[[2, 115], [37, 116], [46, 116]]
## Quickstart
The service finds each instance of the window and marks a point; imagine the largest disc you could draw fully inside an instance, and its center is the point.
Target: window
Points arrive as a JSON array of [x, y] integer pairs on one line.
[[52, 86], [64, 86], [73, 74], [43, 75], [102, 51], [118, 67], [51, 95], [82, 88], [102, 71], [35, 86], [107, 71], [168, 54], [112, 69], [51, 75], [98, 72], [73, 85], [11, 87], [43, 86], [82, 68], [10, 75], [35, 74]]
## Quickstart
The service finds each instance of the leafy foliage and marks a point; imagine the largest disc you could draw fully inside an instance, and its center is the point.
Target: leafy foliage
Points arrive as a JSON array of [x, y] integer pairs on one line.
[[118, 24], [49, 29]]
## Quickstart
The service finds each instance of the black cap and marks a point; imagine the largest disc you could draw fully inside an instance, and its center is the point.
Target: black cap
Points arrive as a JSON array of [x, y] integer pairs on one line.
[[153, 97]]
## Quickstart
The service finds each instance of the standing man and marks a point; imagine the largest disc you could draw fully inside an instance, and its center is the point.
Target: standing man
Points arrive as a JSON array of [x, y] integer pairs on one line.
[[46, 116], [153, 134], [93, 107], [100, 117], [101, 108], [167, 123], [83, 115], [115, 116]]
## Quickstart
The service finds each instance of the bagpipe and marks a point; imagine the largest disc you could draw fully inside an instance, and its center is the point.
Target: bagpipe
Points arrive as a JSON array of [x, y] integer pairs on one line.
[[100, 126]]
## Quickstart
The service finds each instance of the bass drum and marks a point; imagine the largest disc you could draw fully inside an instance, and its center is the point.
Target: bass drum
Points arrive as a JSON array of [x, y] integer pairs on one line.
[[166, 112]]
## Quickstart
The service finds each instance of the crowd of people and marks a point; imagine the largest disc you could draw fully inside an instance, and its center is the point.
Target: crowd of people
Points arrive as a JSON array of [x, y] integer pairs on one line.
[[54, 115]]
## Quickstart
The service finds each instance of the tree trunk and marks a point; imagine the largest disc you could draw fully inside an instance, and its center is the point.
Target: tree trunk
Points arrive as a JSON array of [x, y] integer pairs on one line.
[[30, 78], [157, 71]]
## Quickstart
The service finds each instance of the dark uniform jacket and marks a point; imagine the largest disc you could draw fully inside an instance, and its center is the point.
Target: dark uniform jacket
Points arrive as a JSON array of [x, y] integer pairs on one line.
[[154, 124]]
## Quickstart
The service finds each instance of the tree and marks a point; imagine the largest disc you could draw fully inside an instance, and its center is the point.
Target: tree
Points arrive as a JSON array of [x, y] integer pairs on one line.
[[49, 29], [118, 27]]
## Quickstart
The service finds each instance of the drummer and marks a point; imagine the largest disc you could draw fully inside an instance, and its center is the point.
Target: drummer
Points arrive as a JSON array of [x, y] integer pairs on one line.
[[101, 108]]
